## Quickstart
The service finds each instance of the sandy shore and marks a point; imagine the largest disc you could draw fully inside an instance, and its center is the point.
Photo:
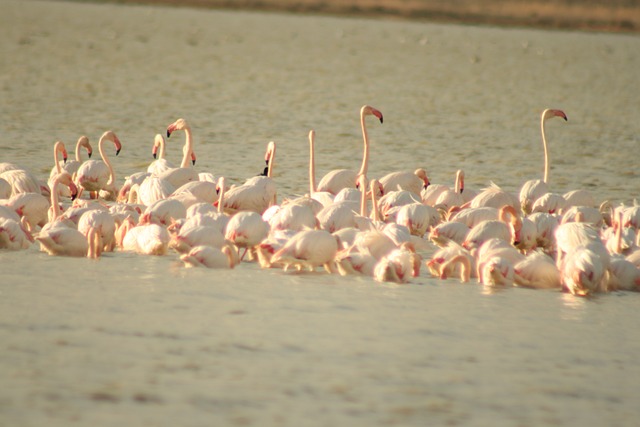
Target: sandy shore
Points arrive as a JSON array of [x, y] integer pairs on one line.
[[590, 15]]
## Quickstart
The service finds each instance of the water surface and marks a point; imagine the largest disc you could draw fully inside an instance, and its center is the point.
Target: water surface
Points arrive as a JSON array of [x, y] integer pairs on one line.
[[143, 340]]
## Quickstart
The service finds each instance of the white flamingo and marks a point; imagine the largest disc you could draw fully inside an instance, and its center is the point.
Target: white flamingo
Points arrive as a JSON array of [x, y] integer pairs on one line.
[[537, 271], [535, 188], [414, 182], [308, 249], [246, 229], [95, 175], [338, 179], [258, 193], [146, 239], [185, 173], [209, 257]]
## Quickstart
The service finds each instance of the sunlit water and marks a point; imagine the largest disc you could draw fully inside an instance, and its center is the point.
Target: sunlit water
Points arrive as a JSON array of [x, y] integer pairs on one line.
[[143, 341]]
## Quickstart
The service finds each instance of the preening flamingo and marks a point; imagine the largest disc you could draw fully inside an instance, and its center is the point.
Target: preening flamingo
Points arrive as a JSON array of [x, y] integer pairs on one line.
[[95, 175], [532, 189], [338, 179]]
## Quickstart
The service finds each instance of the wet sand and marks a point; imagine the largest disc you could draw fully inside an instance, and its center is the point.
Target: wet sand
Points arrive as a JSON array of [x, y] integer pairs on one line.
[[613, 15]]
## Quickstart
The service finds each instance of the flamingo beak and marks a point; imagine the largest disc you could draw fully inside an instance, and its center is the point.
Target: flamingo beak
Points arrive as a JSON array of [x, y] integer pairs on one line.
[[193, 158], [170, 129], [89, 153], [74, 191]]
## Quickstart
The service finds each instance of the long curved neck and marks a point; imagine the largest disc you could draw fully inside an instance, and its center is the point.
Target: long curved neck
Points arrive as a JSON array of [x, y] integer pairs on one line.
[[57, 147], [365, 157], [312, 163], [105, 159], [81, 142], [544, 146], [272, 156], [188, 148], [161, 148]]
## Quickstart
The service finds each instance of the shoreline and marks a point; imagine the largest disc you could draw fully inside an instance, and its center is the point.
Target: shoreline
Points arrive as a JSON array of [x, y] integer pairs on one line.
[[615, 16]]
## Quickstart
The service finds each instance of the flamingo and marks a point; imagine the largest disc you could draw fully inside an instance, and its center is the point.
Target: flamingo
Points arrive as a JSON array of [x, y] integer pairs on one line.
[[72, 166], [164, 212], [97, 219], [294, 217], [445, 232], [62, 240], [160, 163], [258, 193], [496, 197], [338, 179], [451, 197], [58, 147], [95, 175], [32, 207], [308, 249], [535, 188], [458, 263], [63, 178], [210, 257], [398, 266], [190, 237], [13, 236], [23, 181], [146, 239], [496, 248], [414, 182], [154, 189], [538, 271], [185, 173], [5, 189], [246, 229], [583, 272]]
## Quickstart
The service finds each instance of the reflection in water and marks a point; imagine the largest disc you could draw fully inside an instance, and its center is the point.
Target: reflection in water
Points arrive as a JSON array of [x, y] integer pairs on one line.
[[574, 308]]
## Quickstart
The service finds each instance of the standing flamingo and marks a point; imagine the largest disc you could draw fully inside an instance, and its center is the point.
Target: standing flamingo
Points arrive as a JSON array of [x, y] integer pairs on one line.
[[95, 175], [257, 193], [185, 173], [532, 189], [338, 179]]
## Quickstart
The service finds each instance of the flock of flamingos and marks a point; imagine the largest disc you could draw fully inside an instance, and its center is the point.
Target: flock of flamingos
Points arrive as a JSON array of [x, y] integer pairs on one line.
[[347, 224]]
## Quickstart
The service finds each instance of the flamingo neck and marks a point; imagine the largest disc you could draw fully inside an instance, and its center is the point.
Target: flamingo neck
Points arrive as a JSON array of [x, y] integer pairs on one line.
[[459, 185], [82, 142], [57, 147], [545, 179], [105, 159], [363, 197], [618, 236], [271, 157], [375, 214], [55, 206], [221, 196], [312, 163], [161, 148], [188, 148], [365, 157]]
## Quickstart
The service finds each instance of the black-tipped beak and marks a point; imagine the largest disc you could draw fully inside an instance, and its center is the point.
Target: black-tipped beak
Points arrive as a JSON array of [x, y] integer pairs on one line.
[[381, 119], [168, 133], [155, 156], [90, 153], [118, 151], [73, 196], [65, 159], [193, 162]]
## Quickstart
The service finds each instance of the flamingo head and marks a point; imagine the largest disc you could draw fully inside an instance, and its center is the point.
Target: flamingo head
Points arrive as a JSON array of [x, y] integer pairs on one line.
[[422, 174], [549, 113], [369, 110], [64, 155], [193, 158], [179, 124], [83, 141], [74, 190], [118, 145]]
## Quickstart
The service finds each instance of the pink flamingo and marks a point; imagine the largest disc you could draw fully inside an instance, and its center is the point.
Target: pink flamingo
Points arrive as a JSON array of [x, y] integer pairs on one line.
[[58, 147], [185, 173], [209, 257], [258, 193], [414, 182], [398, 266], [308, 249], [13, 236], [538, 271], [95, 175], [532, 189], [146, 239], [338, 179], [246, 229]]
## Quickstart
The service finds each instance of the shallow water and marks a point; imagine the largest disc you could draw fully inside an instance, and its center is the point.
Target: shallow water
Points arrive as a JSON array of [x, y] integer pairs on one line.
[[142, 339]]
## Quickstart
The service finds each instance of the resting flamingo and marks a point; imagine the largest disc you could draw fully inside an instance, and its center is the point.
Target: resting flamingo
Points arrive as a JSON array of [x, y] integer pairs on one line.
[[338, 179], [532, 189], [95, 175]]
